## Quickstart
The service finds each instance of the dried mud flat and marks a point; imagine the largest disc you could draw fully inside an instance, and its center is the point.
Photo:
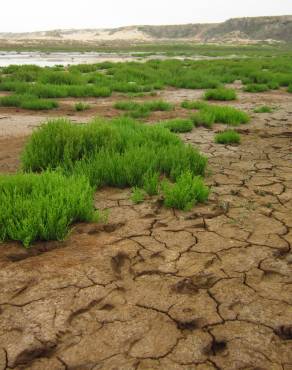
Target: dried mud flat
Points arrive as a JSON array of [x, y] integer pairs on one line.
[[161, 289]]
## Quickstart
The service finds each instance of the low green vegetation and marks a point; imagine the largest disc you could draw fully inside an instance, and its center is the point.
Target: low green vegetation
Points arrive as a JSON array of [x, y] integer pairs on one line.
[[196, 104], [178, 125], [203, 118], [143, 110], [264, 109], [188, 190], [209, 114], [27, 102], [79, 107], [220, 94], [64, 163], [290, 88], [151, 182], [43, 206], [227, 137], [256, 88], [135, 78], [111, 153]]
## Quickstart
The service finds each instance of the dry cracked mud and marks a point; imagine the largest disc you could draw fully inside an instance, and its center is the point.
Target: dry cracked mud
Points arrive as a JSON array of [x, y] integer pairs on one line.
[[161, 289]]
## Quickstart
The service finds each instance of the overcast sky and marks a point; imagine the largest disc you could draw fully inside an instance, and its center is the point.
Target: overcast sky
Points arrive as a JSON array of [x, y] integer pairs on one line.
[[33, 15]]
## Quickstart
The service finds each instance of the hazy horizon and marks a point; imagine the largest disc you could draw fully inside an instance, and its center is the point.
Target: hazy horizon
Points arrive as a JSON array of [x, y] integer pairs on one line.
[[34, 15]]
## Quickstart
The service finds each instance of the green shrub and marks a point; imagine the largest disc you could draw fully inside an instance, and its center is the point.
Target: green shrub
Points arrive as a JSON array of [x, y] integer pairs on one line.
[[81, 106], [255, 88], [42, 207], [186, 192], [178, 125], [263, 109], [220, 94], [138, 195], [227, 137]]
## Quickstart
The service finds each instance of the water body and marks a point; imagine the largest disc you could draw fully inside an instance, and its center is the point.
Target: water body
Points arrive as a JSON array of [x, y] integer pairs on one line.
[[58, 58]]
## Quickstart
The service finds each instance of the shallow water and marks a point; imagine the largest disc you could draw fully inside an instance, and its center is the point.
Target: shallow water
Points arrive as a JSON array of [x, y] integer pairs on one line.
[[59, 58]]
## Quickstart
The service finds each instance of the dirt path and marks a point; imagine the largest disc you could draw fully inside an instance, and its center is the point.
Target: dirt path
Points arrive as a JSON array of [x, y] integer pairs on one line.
[[162, 290]]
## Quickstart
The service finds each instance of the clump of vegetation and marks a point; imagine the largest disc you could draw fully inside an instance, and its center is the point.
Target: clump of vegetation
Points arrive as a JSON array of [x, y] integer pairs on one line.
[[79, 107], [111, 153], [142, 110], [197, 104], [27, 102], [101, 79], [203, 118], [220, 94], [264, 109], [185, 192], [289, 88], [178, 125], [43, 206], [138, 195], [151, 182], [227, 137], [255, 88], [210, 114]]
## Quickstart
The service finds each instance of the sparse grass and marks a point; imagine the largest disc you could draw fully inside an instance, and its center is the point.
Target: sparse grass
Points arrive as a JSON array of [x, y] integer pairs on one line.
[[227, 137], [79, 107], [185, 192], [43, 206], [220, 94], [178, 125], [264, 109], [138, 195]]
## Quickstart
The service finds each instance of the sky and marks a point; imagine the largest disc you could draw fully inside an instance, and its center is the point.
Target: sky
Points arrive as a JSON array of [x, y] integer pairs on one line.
[[37, 15]]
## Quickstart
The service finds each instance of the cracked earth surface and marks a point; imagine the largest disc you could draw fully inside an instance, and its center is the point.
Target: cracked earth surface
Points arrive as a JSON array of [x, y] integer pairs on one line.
[[161, 289]]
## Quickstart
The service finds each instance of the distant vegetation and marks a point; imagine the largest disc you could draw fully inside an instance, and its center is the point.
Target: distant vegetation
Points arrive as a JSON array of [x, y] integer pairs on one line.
[[102, 79]]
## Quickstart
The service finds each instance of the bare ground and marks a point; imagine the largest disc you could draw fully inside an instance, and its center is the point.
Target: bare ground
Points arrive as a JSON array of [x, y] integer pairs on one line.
[[161, 289]]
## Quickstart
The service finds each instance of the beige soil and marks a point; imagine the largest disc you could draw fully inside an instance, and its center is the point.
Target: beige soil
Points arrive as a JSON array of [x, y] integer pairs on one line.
[[158, 289]]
